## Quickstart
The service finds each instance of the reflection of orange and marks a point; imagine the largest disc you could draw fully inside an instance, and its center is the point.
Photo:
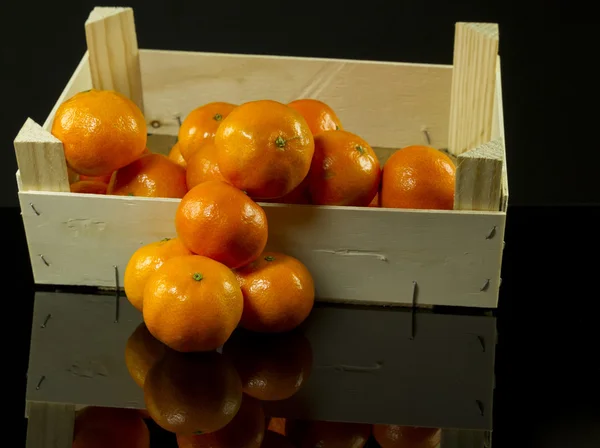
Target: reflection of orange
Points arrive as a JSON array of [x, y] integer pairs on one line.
[[394, 436], [309, 434], [195, 393], [192, 303], [101, 131], [418, 177], [200, 124], [264, 148], [175, 155], [144, 262], [141, 352], [279, 293], [97, 427], [202, 165], [272, 367], [275, 440], [246, 430], [89, 186], [277, 424], [219, 221], [152, 175], [345, 170], [318, 115]]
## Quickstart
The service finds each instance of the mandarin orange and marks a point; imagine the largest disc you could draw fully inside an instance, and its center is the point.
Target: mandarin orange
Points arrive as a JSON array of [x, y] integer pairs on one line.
[[89, 187], [418, 177], [394, 436], [101, 131], [175, 155], [345, 170], [219, 221], [318, 115], [98, 427], [200, 124], [310, 434], [202, 165], [152, 175], [264, 148]]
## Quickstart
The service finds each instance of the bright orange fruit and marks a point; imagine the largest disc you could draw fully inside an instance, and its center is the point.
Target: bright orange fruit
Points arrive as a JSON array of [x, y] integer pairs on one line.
[[345, 170], [201, 123], [279, 293], [192, 393], [203, 165], [394, 436], [299, 195], [101, 131], [219, 221], [144, 262], [192, 303], [175, 156], [318, 115], [246, 430], [105, 179], [142, 351], [89, 186], [264, 148], [152, 175], [309, 434], [271, 367], [97, 427], [418, 177]]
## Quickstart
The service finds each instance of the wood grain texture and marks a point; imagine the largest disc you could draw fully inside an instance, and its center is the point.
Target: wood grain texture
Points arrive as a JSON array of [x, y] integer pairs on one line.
[[473, 85], [479, 177], [41, 160], [358, 374], [355, 254], [50, 425], [498, 133], [113, 50], [80, 81], [388, 104]]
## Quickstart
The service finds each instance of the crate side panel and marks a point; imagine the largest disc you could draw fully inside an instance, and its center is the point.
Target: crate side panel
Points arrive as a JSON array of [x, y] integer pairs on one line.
[[354, 254], [80, 81], [388, 104]]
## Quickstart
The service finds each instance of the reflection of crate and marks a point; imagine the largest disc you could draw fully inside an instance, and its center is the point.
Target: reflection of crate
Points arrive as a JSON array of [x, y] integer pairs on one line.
[[423, 369], [355, 254]]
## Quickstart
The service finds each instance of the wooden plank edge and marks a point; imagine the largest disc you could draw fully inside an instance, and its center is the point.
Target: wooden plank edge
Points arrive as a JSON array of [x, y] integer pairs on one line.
[[499, 131], [50, 425]]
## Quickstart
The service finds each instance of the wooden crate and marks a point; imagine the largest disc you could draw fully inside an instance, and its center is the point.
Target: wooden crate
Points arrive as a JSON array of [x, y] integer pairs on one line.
[[389, 256]]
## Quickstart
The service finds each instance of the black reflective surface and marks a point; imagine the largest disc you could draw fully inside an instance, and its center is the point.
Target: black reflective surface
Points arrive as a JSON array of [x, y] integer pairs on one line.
[[545, 360]]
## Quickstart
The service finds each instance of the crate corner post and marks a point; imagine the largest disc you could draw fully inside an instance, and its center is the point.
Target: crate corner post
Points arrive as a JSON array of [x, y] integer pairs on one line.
[[113, 52]]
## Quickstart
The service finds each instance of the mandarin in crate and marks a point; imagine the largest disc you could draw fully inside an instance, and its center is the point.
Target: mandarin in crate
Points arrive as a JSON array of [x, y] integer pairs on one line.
[[246, 430], [200, 124], [101, 131], [192, 303], [418, 177], [203, 165], [98, 427], [394, 436], [144, 262], [318, 115], [89, 187], [142, 351], [219, 221], [271, 367], [309, 434], [264, 148], [105, 179], [345, 170], [192, 393], [175, 155], [152, 175], [299, 195], [279, 293]]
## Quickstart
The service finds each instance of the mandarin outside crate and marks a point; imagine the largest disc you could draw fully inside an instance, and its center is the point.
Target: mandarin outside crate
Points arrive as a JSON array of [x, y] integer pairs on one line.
[[368, 255]]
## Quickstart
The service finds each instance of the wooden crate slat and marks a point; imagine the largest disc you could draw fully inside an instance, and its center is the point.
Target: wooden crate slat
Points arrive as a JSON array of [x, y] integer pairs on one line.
[[41, 160], [388, 104], [479, 177], [113, 52], [498, 133], [355, 254], [473, 86], [81, 354], [50, 425]]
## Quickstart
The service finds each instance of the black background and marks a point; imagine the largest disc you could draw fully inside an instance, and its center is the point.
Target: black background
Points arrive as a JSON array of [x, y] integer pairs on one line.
[[547, 383]]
